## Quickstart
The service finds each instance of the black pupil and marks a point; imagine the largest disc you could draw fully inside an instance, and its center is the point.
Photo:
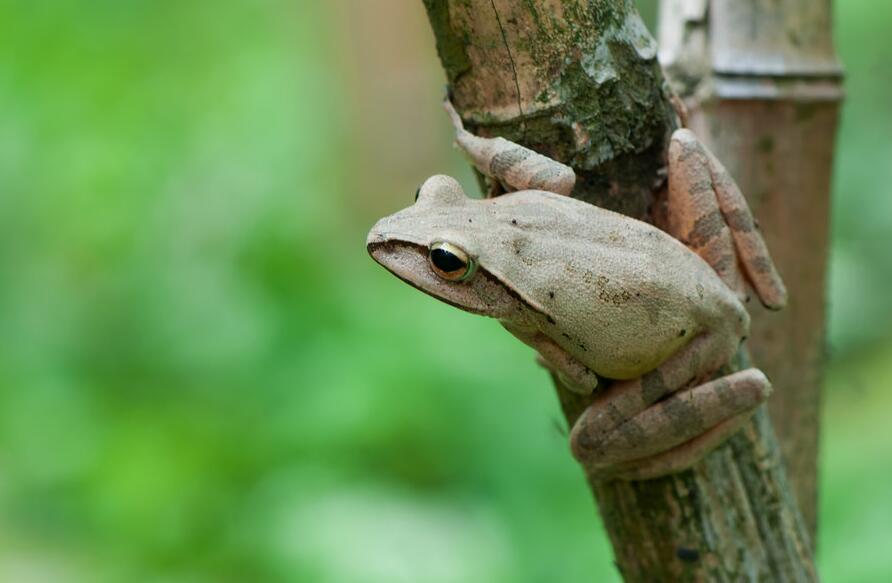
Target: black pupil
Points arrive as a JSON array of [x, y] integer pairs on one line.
[[446, 262], [417, 192]]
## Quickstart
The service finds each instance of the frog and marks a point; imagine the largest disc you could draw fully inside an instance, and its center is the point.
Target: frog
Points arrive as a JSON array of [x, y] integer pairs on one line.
[[603, 298]]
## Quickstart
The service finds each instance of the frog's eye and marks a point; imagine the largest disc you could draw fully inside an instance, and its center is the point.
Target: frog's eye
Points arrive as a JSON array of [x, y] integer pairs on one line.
[[450, 262]]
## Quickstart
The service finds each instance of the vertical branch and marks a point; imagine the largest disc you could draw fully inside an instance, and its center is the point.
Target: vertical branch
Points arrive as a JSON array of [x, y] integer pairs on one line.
[[578, 80], [766, 102]]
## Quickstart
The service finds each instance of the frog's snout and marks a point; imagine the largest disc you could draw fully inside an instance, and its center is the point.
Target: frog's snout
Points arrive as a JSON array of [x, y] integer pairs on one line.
[[374, 238], [380, 233], [374, 249], [375, 242], [382, 243]]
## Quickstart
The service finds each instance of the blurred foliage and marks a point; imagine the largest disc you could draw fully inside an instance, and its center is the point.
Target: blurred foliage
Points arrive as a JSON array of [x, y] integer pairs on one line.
[[204, 378]]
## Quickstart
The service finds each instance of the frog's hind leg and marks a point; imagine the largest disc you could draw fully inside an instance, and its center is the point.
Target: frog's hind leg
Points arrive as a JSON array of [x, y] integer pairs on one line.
[[683, 456], [710, 215], [512, 165], [684, 427], [694, 215], [642, 418], [754, 255]]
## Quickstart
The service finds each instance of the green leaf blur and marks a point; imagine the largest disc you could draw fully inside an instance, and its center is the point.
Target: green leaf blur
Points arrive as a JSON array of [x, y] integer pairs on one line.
[[204, 378]]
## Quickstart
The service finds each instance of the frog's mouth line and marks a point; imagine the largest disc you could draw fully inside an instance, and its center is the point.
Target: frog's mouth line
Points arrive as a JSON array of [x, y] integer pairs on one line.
[[384, 244], [373, 247]]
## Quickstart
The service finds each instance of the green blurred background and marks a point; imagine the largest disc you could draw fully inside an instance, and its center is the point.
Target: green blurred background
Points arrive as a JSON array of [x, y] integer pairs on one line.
[[204, 378]]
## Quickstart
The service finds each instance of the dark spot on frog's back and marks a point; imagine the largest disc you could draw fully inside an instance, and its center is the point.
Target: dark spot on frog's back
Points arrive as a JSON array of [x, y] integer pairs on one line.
[[611, 294], [520, 245], [615, 237]]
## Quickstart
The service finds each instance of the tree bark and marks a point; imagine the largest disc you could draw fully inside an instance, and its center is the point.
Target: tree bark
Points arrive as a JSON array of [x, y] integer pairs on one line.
[[762, 84], [578, 80]]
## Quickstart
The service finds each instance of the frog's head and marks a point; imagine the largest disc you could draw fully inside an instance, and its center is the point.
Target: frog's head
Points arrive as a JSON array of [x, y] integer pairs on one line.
[[435, 245]]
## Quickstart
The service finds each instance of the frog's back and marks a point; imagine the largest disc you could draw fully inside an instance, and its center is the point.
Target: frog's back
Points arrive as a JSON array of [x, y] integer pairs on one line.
[[624, 294]]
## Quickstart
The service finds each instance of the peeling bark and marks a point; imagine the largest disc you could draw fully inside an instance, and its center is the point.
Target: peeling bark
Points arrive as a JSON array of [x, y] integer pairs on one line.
[[578, 80]]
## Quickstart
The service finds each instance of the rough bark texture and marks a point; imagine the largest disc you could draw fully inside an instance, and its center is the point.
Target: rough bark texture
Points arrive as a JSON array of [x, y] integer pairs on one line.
[[578, 80], [764, 97], [547, 74]]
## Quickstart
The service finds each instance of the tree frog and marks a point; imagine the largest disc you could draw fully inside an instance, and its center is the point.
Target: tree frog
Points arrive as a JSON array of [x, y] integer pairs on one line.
[[599, 294]]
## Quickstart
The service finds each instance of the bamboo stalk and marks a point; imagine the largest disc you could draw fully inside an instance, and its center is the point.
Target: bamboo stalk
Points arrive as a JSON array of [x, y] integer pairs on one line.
[[765, 99]]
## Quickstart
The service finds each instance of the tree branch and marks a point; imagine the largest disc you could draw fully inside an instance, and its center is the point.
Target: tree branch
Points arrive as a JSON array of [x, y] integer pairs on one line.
[[578, 80]]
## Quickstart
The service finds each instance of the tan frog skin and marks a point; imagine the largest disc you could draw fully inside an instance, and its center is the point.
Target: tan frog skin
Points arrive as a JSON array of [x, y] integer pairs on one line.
[[599, 294]]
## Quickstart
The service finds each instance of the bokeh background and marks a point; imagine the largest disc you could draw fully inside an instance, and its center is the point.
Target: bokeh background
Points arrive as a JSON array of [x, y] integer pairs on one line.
[[204, 378]]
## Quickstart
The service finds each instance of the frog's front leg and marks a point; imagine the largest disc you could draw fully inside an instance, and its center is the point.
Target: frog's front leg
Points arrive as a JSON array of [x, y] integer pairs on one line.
[[573, 374], [660, 423], [708, 213], [512, 165]]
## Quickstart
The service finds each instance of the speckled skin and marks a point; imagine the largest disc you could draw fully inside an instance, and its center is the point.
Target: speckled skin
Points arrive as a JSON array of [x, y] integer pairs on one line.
[[600, 294], [617, 294]]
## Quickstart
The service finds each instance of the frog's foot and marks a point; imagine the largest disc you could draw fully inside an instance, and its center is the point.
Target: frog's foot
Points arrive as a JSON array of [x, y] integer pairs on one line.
[[512, 165], [709, 214], [675, 433], [638, 419]]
